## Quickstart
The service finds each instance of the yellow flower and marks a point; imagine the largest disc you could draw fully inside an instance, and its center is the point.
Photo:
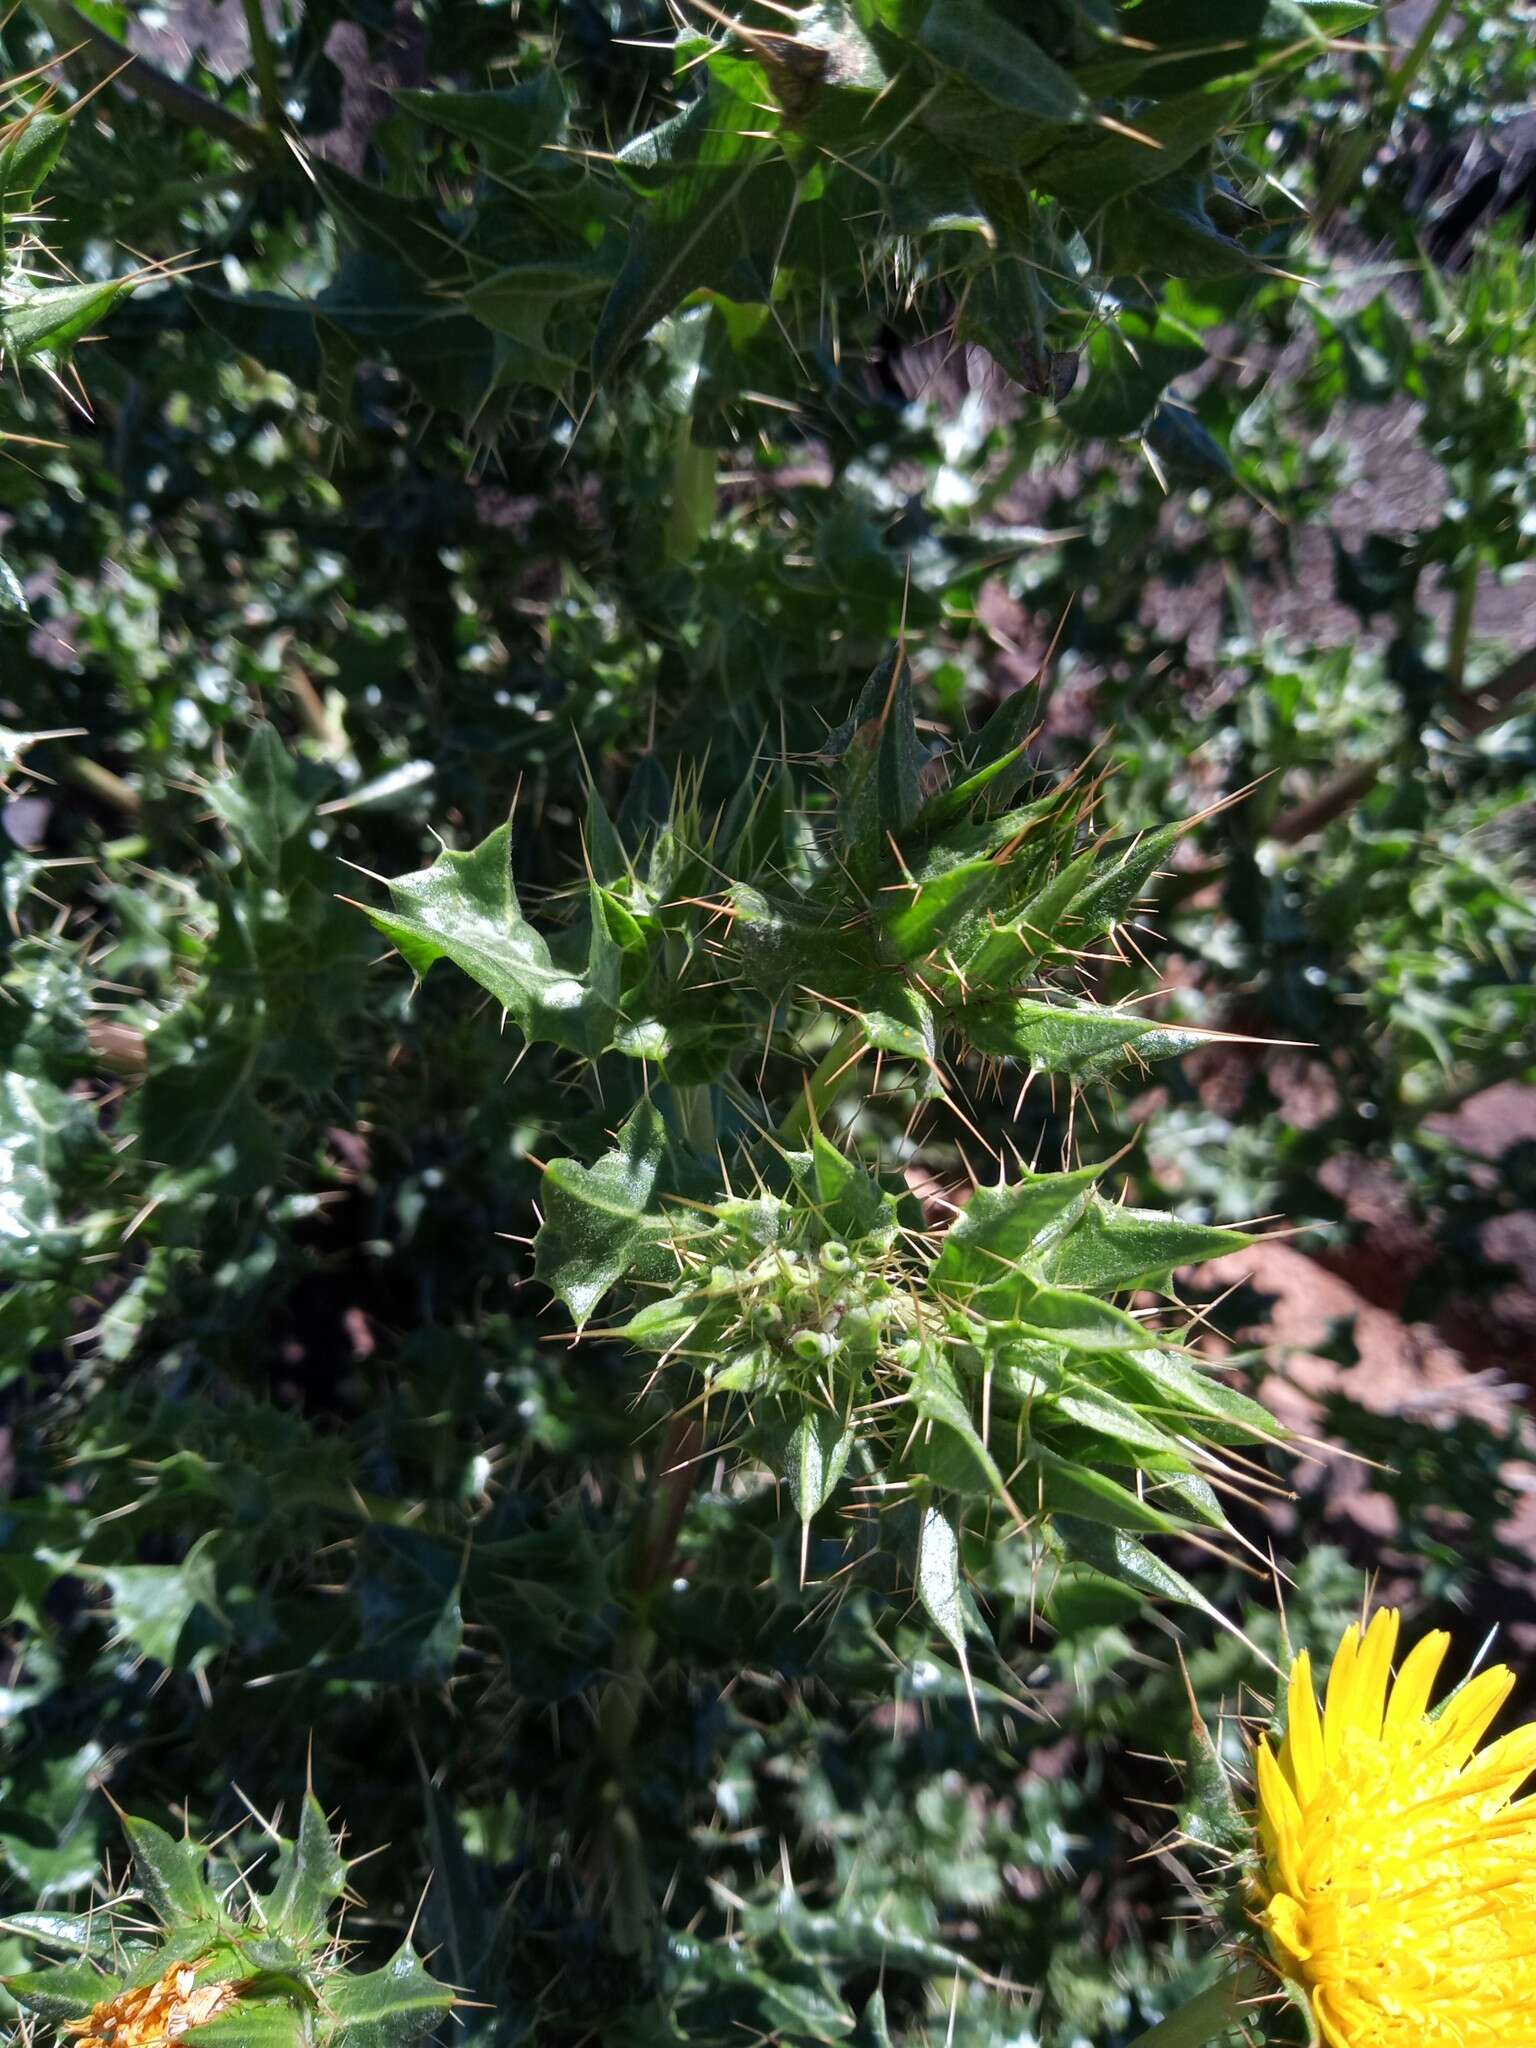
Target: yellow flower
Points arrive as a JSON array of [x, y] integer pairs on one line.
[[155, 2013], [1399, 1877]]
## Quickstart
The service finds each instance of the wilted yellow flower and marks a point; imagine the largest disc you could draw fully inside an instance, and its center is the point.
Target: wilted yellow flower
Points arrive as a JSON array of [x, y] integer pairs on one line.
[[155, 2013], [1400, 1868]]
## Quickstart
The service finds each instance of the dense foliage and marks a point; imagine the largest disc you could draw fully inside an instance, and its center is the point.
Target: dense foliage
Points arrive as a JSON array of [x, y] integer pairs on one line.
[[1003, 800]]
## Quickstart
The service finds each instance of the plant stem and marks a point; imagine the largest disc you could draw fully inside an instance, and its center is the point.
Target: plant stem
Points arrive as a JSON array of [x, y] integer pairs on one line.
[[1461, 622], [696, 1113], [1353, 157], [1207, 2017], [85, 47], [102, 784], [822, 1086], [263, 62]]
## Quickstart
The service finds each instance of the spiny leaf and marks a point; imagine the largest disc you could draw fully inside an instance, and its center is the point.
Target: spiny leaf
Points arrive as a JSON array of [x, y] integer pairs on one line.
[[386, 2008], [1109, 1249], [815, 1458], [936, 1396], [30, 156], [989, 51], [50, 320], [719, 195], [170, 1874], [1000, 1226], [882, 762], [464, 908], [153, 1603], [599, 1221], [63, 1994], [311, 1874], [1081, 1040], [1120, 1555], [938, 1578], [1068, 1487]]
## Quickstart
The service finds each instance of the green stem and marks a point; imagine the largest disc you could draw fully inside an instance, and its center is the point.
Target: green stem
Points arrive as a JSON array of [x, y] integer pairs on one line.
[[693, 493], [263, 62], [87, 48], [102, 783], [1461, 622], [1207, 2017], [696, 1113], [819, 1091]]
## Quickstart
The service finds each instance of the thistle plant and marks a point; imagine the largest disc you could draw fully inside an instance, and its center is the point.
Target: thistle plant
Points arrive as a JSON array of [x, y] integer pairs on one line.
[[877, 930], [178, 1950]]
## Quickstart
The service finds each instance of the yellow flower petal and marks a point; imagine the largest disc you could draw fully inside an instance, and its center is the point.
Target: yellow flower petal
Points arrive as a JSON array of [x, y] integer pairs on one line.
[[1398, 1885], [1337, 1699], [1303, 1752], [1373, 1669], [1415, 1683], [1470, 1714]]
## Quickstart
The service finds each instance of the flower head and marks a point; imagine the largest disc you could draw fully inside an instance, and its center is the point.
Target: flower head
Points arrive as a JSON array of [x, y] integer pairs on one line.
[[1399, 1876], [154, 2014]]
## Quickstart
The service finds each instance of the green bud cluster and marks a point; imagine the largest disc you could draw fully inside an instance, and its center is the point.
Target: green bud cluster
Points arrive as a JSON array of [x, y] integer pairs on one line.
[[918, 911]]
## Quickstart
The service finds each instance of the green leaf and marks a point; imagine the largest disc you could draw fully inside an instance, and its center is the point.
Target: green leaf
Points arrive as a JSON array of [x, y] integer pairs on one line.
[[197, 1113], [1116, 877], [50, 320], [66, 1993], [815, 1457], [661, 1324], [511, 128], [1209, 1813], [1088, 170], [873, 2031], [29, 157], [1081, 1040], [939, 1585], [1119, 1555], [1066, 1317], [84, 1934], [45, 1135], [169, 1873], [256, 2023], [1167, 1379], [1182, 442], [600, 1221], [997, 765], [152, 1603], [409, 1598], [391, 225], [261, 807], [1108, 1416], [882, 763], [311, 1874], [1164, 230], [386, 2008], [983, 46], [1132, 359], [1079, 1599], [898, 1020], [1109, 1249], [1068, 1487], [1000, 1227], [13, 596], [720, 195], [936, 1395], [464, 908]]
